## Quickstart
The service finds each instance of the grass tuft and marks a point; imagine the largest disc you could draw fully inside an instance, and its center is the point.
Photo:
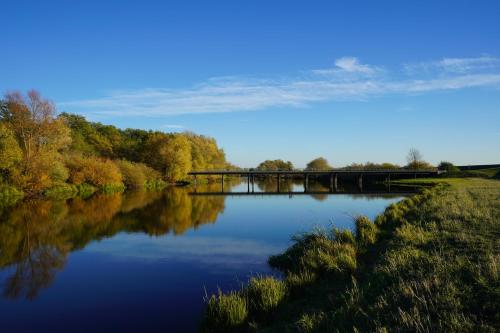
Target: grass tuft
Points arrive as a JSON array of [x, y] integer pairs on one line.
[[225, 312], [366, 232], [264, 294]]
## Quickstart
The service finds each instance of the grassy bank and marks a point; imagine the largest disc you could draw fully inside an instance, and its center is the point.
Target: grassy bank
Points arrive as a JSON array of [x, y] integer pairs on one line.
[[427, 264]]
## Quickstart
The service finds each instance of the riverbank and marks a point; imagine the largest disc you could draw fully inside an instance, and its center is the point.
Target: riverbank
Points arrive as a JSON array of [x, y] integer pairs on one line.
[[428, 263]]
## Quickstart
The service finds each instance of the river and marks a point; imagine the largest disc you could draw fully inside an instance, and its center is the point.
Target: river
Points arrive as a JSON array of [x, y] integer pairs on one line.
[[142, 261]]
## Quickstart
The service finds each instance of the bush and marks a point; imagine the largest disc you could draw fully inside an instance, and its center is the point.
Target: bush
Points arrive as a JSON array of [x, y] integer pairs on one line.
[[61, 191], [138, 175], [225, 312], [264, 294], [448, 166], [132, 174], [94, 171], [85, 190]]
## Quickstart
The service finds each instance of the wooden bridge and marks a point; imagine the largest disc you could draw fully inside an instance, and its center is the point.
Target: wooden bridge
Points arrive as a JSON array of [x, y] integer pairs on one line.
[[333, 175]]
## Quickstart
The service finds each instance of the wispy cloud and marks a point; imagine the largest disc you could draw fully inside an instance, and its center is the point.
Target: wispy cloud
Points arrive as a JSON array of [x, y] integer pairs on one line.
[[454, 65], [349, 65], [349, 79]]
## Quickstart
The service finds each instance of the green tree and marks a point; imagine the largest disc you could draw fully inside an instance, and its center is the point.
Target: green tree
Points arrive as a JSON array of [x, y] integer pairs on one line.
[[448, 166], [319, 163], [274, 165]]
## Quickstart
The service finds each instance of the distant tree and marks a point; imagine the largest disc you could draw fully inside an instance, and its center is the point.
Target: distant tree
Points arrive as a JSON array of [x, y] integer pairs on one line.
[[389, 166], [448, 166], [274, 165], [372, 166], [319, 163], [415, 160], [414, 156]]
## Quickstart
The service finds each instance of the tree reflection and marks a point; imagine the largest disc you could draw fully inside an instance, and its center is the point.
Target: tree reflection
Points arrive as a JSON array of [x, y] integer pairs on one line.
[[36, 270], [269, 184], [36, 236]]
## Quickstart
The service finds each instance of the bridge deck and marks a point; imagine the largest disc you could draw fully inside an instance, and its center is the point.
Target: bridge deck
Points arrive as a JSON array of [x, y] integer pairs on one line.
[[314, 172]]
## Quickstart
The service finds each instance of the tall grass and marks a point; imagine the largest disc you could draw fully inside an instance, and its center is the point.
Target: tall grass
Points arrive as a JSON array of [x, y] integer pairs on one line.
[[264, 294], [427, 264], [225, 312]]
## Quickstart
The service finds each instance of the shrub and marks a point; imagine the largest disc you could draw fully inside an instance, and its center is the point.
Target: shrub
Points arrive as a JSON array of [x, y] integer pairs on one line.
[[448, 166], [9, 196], [61, 191], [85, 190], [139, 175], [94, 171], [132, 173], [224, 312]]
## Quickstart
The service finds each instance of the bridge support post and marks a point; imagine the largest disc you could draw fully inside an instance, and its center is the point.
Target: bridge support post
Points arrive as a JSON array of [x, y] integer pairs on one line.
[[248, 183], [253, 182], [335, 183], [360, 181], [222, 182], [331, 182], [278, 183], [306, 182]]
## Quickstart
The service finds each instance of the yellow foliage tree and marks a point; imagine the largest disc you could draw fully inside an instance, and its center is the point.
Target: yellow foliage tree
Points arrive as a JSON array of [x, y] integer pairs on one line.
[[176, 153], [41, 138], [10, 153]]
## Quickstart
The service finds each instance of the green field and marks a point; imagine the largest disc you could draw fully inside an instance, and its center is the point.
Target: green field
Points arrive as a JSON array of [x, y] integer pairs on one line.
[[427, 264], [489, 172]]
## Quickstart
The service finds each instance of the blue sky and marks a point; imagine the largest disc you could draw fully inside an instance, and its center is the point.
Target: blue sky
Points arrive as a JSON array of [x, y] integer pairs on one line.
[[352, 81]]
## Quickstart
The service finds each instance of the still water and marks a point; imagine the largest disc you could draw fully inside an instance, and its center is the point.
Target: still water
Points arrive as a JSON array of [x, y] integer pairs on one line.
[[141, 261]]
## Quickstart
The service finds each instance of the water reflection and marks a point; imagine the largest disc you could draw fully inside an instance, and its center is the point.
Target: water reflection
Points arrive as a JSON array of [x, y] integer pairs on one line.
[[142, 262], [36, 236], [317, 188]]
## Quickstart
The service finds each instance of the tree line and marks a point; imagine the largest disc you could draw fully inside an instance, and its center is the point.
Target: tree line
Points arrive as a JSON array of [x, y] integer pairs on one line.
[[414, 159], [41, 150]]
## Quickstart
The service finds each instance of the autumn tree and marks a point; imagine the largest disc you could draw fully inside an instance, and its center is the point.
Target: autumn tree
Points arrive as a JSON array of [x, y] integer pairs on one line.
[[177, 156], [275, 165], [319, 163], [205, 154], [170, 154], [41, 138], [10, 153]]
